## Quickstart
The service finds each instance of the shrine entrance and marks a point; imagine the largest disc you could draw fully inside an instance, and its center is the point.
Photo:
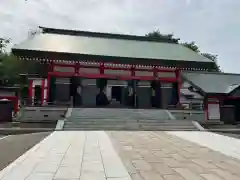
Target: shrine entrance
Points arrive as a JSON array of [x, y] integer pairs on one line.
[[102, 92], [111, 93], [112, 87]]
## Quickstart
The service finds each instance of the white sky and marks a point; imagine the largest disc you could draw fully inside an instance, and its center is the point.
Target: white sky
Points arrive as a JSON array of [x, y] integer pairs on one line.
[[213, 24]]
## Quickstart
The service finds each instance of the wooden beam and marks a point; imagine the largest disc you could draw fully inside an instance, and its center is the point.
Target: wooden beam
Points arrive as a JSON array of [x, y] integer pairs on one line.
[[108, 76]]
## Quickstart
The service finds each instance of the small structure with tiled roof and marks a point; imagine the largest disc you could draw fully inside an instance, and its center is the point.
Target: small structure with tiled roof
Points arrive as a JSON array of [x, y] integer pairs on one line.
[[218, 90]]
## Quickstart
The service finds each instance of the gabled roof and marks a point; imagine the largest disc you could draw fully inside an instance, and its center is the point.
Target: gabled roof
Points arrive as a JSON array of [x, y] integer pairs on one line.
[[213, 83], [77, 45]]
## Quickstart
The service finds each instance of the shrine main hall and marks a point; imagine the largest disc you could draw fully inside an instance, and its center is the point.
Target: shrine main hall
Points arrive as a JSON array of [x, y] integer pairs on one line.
[[90, 69]]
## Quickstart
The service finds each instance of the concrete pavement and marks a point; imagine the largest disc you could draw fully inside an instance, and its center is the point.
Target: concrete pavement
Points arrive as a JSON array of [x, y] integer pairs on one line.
[[13, 146]]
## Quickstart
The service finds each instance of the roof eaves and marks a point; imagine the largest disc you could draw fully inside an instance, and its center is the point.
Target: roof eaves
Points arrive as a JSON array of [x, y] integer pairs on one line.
[[214, 72], [50, 55], [216, 94], [234, 90]]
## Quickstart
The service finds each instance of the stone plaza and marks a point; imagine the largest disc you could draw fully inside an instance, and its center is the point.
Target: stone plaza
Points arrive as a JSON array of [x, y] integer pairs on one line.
[[127, 155]]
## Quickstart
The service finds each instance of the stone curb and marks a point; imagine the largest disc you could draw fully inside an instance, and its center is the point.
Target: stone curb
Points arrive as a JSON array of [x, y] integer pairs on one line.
[[60, 123], [15, 131], [198, 126]]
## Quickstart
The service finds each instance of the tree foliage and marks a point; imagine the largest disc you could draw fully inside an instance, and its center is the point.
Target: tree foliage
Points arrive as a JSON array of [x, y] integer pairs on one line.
[[192, 46], [33, 32], [210, 56], [3, 45], [156, 34], [11, 67], [213, 58]]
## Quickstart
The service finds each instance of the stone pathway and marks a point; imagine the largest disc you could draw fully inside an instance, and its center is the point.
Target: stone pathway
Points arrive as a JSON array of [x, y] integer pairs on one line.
[[224, 144], [99, 155], [160, 156], [69, 156]]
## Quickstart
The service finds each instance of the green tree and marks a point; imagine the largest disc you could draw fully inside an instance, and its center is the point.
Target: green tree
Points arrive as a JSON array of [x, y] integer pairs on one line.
[[11, 67], [191, 46], [3, 45], [34, 32], [213, 58], [165, 37]]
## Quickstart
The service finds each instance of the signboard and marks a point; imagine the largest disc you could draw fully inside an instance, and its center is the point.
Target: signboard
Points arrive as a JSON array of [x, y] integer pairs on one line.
[[214, 111]]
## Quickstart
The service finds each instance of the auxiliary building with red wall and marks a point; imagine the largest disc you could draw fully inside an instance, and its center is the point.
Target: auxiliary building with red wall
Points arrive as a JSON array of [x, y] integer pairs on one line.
[[101, 69]]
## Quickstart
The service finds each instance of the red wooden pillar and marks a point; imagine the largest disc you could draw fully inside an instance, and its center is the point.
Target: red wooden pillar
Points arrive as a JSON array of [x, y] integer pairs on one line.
[[155, 73], [50, 70], [133, 70], [48, 87], [76, 69], [179, 81], [101, 68], [205, 107], [30, 91], [134, 87], [42, 91], [16, 101]]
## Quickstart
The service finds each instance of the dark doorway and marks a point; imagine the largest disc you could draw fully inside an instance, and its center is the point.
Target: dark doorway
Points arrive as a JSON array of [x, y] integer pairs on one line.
[[117, 99], [117, 93], [236, 104], [37, 95]]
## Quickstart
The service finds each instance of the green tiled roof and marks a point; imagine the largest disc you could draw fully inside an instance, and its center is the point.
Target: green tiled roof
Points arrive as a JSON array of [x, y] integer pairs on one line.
[[212, 83], [113, 47]]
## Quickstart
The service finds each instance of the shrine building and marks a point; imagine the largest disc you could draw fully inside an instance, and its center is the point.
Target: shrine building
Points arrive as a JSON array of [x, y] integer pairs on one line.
[[92, 69]]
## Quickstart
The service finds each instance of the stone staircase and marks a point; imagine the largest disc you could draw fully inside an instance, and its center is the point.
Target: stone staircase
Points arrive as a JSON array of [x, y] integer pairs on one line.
[[193, 115], [125, 119]]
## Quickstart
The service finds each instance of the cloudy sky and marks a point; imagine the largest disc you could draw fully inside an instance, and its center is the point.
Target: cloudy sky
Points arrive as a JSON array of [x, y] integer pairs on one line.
[[213, 24]]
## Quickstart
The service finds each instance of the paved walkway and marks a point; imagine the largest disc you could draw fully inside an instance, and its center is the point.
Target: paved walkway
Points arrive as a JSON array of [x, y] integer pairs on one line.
[[69, 156], [227, 145], [89, 155], [161, 156]]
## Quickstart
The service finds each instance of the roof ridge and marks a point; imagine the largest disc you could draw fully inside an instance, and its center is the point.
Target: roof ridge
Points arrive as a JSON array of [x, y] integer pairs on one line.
[[103, 35]]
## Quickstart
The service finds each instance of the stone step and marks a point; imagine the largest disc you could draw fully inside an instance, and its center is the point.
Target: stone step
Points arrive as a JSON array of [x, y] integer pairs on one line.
[[125, 119], [132, 125], [127, 126], [196, 115], [129, 123], [112, 128], [119, 117]]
